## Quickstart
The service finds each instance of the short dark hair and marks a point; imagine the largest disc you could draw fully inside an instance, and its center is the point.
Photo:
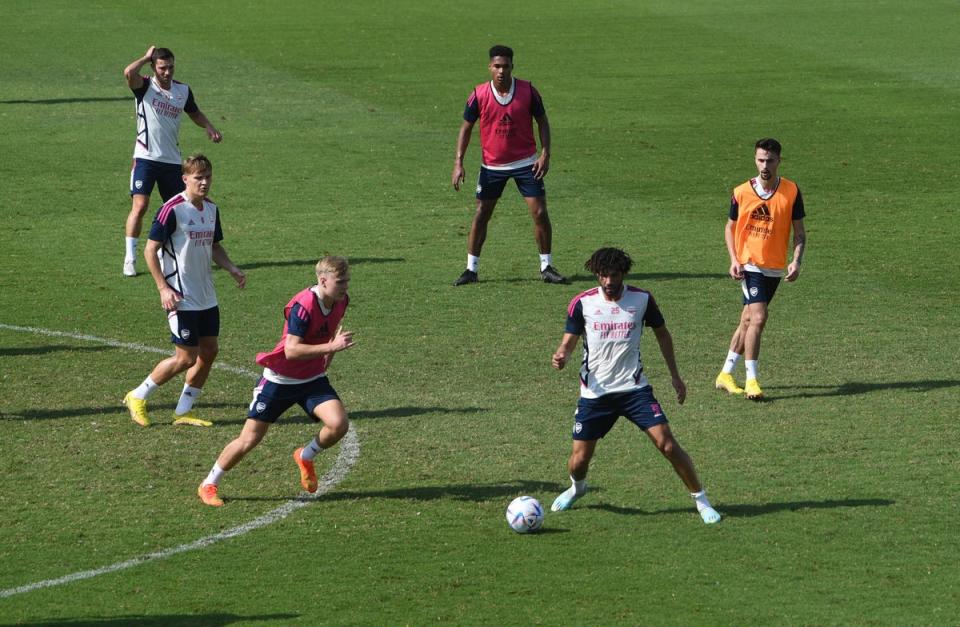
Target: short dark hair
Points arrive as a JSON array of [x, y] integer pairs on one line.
[[769, 144], [161, 53], [501, 51], [607, 261]]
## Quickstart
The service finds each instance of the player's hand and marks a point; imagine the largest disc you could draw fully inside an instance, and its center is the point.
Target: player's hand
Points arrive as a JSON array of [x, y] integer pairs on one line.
[[169, 298], [457, 176], [560, 359], [736, 271], [214, 135], [342, 340], [681, 389], [541, 166], [149, 55], [239, 277], [793, 272]]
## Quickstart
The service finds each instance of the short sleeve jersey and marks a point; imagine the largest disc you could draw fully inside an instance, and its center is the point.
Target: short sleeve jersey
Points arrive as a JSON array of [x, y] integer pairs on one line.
[[611, 339], [187, 235], [506, 123], [158, 120]]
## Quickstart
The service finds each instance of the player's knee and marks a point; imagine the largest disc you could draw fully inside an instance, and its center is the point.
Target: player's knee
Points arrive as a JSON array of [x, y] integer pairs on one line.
[[669, 447], [185, 361], [209, 354], [248, 441], [338, 428]]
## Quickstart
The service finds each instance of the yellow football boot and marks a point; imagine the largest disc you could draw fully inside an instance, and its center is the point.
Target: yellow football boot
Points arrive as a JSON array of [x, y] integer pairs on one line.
[[725, 382], [753, 391], [138, 409], [190, 418]]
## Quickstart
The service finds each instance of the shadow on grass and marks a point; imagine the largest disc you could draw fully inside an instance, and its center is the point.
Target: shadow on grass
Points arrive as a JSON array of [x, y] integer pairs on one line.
[[310, 263], [167, 620], [749, 510], [56, 101], [631, 278], [16, 351], [852, 388], [454, 492]]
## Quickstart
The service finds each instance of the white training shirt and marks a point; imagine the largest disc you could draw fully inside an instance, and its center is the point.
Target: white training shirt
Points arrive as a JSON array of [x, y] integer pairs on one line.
[[158, 120], [187, 235], [611, 339]]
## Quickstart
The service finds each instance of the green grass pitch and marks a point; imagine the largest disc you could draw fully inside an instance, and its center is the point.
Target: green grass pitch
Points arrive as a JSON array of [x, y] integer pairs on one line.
[[839, 494]]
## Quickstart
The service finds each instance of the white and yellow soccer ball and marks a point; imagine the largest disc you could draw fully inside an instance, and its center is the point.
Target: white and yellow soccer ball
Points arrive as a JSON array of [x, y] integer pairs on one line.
[[525, 514]]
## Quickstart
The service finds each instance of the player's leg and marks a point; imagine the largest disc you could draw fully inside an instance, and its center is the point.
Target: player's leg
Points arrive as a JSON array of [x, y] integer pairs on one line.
[[535, 195], [136, 399], [593, 419], [250, 436], [142, 179], [490, 186], [663, 439], [577, 466], [757, 313], [725, 380], [323, 405], [206, 327]]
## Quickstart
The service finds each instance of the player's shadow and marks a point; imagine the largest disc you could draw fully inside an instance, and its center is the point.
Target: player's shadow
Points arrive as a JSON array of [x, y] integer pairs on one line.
[[17, 351], [630, 278], [852, 388], [220, 619], [160, 413], [748, 510], [454, 492], [295, 415], [56, 101], [310, 263]]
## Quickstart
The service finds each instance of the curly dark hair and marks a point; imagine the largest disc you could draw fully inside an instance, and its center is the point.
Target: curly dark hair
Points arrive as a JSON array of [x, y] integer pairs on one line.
[[501, 51], [607, 261]]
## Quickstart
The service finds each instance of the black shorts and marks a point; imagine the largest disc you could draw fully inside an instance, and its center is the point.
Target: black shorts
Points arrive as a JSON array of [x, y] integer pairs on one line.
[[271, 399], [187, 327], [758, 287], [596, 416], [490, 183]]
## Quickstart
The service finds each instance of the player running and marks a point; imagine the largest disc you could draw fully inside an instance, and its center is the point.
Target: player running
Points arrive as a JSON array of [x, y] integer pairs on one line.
[[184, 240], [610, 318], [295, 372]]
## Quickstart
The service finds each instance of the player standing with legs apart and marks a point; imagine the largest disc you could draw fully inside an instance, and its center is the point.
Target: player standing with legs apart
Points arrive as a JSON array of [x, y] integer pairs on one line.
[[612, 383], [184, 240], [506, 108], [762, 212], [295, 371], [156, 154]]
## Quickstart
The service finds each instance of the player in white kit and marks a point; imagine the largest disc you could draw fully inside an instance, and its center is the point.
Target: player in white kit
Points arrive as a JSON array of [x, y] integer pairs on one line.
[[610, 318], [183, 242], [160, 102]]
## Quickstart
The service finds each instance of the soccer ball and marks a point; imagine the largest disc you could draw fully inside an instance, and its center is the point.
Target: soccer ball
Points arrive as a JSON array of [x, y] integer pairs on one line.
[[525, 514]]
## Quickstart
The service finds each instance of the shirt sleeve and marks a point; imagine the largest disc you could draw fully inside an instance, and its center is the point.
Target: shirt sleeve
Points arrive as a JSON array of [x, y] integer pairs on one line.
[[471, 112], [298, 321], [798, 212], [142, 90], [536, 103], [734, 208], [161, 231], [191, 105], [652, 316], [217, 231], [576, 324]]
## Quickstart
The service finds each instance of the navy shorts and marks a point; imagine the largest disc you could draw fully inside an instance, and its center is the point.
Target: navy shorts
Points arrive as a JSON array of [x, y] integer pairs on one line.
[[596, 416], [758, 287], [168, 178], [271, 399], [187, 327], [490, 183]]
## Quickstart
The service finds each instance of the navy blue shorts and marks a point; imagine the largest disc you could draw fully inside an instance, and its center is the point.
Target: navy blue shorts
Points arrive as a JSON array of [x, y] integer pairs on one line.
[[187, 327], [758, 288], [168, 178], [490, 183], [271, 399], [596, 416]]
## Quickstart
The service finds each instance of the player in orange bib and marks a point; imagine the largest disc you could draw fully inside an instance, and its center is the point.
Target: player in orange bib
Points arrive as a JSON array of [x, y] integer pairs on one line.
[[763, 211]]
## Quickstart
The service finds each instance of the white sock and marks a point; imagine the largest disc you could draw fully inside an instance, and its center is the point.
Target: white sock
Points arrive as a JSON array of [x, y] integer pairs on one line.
[[751, 365], [145, 389], [701, 499], [473, 263], [187, 397], [731, 362], [216, 474], [311, 450], [131, 246], [579, 486], [545, 260]]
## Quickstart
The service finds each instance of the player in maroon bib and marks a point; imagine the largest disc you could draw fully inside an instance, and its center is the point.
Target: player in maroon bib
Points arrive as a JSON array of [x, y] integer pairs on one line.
[[506, 108]]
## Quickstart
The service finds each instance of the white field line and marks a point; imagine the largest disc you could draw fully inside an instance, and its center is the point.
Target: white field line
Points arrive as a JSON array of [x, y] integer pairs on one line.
[[347, 457]]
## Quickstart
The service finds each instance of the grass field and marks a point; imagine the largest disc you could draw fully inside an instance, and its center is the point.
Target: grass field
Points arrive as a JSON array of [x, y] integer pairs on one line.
[[339, 122]]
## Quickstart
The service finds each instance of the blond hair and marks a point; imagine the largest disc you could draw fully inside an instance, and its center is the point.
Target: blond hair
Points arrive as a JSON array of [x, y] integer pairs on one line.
[[332, 265], [197, 163]]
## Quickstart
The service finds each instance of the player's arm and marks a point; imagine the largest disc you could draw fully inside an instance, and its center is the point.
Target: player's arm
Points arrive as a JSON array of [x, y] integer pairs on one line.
[[132, 71], [562, 355], [542, 164], [296, 349], [799, 244], [463, 140], [222, 259], [665, 341], [201, 120], [736, 269], [168, 297]]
